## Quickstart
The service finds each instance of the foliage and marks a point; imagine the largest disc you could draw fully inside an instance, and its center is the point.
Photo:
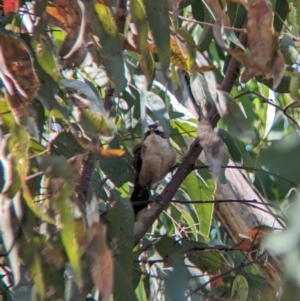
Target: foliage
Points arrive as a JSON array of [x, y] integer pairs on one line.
[[80, 80]]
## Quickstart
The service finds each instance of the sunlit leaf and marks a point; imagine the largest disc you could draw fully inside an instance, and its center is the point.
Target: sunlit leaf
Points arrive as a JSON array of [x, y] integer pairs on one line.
[[158, 18], [109, 45], [197, 190]]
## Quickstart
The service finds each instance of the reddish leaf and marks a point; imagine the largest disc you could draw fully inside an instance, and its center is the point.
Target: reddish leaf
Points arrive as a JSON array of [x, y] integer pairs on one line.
[[216, 282], [244, 244], [100, 260], [18, 73], [10, 6]]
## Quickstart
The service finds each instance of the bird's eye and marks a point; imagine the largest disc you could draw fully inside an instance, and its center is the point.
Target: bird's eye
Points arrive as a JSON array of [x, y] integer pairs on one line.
[[147, 133], [157, 132]]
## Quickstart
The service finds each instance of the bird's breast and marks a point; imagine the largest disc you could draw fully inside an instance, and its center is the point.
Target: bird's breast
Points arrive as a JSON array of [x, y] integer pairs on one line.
[[158, 157]]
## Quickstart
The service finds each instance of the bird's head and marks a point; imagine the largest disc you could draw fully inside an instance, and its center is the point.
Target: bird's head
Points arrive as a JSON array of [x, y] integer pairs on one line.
[[154, 129]]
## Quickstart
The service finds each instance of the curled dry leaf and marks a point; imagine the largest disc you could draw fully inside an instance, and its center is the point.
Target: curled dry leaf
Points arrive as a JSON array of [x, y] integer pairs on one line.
[[179, 56], [260, 36], [262, 41], [212, 146], [70, 17], [17, 73], [100, 258], [65, 12]]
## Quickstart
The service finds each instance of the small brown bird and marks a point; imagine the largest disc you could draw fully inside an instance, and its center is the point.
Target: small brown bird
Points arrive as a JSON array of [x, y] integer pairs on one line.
[[154, 157]]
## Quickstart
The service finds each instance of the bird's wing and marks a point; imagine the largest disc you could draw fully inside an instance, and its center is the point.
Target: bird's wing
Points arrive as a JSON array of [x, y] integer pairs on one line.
[[140, 193]]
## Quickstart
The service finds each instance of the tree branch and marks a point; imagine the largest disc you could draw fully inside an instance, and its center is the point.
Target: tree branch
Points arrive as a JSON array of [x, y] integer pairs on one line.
[[187, 165]]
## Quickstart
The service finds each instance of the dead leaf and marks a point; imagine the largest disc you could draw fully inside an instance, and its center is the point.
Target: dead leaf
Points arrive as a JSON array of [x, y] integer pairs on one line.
[[73, 50], [100, 260], [76, 165], [18, 73], [212, 146], [259, 34], [66, 12], [52, 255], [244, 244], [277, 63], [217, 282]]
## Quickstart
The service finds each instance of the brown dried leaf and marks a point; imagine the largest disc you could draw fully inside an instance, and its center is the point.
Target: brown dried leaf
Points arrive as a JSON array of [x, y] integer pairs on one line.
[[67, 12], [17, 73], [277, 63], [212, 146], [237, 53], [76, 165], [100, 259], [53, 256], [259, 34]]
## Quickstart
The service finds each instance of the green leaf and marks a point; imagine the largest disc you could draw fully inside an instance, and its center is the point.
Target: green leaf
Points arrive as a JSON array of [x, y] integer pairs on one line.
[[157, 106], [41, 260], [122, 287], [168, 246], [289, 50], [42, 46], [65, 144], [159, 23], [139, 19], [176, 281], [294, 17], [59, 178], [207, 33], [203, 88], [190, 47], [6, 116], [31, 255], [234, 118], [198, 190], [140, 291], [281, 157], [240, 287], [233, 149], [121, 224], [96, 103], [206, 260], [110, 46], [14, 159], [282, 9]]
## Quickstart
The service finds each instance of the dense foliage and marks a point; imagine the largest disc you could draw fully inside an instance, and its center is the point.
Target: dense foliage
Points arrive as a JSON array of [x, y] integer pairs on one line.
[[80, 80]]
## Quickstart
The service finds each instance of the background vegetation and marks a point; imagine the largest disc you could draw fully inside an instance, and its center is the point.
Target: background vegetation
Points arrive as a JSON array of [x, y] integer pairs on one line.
[[80, 81]]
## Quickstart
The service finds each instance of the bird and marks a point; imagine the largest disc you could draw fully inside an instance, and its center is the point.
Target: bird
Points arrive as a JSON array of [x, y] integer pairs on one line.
[[153, 158]]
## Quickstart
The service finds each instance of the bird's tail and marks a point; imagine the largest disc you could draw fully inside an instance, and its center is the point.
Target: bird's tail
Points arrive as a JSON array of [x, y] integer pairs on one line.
[[140, 193]]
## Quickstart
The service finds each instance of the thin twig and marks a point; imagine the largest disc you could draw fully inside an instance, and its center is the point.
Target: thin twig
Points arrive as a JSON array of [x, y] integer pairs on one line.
[[209, 24], [271, 103], [248, 168], [242, 265]]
